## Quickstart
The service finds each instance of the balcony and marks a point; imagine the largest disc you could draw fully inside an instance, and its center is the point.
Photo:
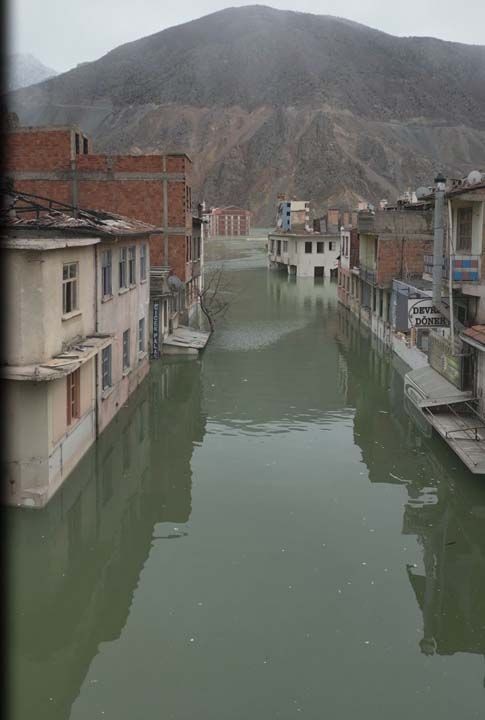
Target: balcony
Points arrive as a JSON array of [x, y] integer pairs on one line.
[[368, 275], [465, 268]]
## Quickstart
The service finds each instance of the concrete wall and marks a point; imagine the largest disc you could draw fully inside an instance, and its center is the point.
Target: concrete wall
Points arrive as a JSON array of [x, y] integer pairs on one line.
[[41, 449], [37, 329], [121, 312]]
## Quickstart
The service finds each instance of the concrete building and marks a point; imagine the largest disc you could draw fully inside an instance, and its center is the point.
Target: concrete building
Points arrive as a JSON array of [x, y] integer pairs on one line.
[[298, 249], [77, 338], [293, 215], [449, 391], [392, 244], [348, 274], [230, 221], [58, 162]]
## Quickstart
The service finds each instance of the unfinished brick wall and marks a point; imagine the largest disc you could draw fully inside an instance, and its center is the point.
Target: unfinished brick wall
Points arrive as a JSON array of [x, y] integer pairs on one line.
[[38, 150], [401, 257], [103, 182]]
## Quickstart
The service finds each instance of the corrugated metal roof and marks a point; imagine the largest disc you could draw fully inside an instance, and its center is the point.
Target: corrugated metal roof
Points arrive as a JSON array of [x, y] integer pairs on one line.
[[25, 211]]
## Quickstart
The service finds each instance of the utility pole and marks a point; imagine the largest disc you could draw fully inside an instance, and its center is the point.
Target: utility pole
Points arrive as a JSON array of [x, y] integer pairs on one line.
[[439, 202]]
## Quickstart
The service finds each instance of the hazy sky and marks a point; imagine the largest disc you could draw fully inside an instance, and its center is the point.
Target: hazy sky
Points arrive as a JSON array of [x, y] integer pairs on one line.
[[62, 33]]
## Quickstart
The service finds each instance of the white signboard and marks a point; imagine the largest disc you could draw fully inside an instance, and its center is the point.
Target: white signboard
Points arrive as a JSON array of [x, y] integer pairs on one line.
[[422, 313]]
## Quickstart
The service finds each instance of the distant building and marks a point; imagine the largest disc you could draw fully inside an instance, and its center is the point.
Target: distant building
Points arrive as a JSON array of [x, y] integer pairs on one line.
[[300, 250], [230, 221], [77, 285], [293, 215]]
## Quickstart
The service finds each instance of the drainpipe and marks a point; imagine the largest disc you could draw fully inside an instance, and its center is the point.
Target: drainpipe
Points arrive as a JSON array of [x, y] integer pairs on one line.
[[439, 195], [96, 330], [450, 275]]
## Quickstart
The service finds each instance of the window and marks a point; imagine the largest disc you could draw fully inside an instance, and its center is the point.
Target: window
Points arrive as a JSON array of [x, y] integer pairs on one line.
[[123, 262], [278, 247], [285, 246], [106, 367], [464, 229], [69, 287], [132, 265], [308, 247], [143, 262], [77, 143], [319, 247], [126, 349], [85, 146], [106, 276], [330, 245], [73, 395], [381, 303], [141, 335]]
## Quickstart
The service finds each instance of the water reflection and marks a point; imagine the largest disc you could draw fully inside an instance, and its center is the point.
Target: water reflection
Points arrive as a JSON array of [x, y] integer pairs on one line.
[[83, 554], [445, 509]]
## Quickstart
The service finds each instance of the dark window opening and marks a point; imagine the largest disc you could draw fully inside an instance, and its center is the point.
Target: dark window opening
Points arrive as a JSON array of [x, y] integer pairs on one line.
[[319, 271], [77, 143], [319, 247], [85, 146], [308, 247]]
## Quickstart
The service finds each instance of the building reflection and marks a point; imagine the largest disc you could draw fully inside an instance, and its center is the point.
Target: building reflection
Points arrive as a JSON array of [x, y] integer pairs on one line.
[[446, 504], [75, 564]]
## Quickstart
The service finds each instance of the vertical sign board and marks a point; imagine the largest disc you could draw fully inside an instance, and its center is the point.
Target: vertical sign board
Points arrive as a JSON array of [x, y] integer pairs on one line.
[[156, 331], [423, 314]]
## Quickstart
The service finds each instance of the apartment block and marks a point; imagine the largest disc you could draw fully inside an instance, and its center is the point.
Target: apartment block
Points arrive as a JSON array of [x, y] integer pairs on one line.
[[230, 221], [77, 286], [59, 163]]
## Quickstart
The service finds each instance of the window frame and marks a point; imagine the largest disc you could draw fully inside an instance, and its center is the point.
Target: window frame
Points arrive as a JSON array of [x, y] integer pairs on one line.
[[126, 359], [308, 244], [143, 262], [107, 367], [73, 396], [67, 282], [141, 335], [131, 265], [123, 268], [107, 273], [464, 243], [320, 247]]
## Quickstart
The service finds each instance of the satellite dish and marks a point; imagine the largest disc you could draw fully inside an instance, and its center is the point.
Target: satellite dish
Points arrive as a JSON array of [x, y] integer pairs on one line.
[[422, 191], [474, 177]]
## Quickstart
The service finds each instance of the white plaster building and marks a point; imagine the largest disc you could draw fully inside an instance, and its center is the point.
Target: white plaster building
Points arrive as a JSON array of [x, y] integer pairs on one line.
[[76, 342], [304, 254]]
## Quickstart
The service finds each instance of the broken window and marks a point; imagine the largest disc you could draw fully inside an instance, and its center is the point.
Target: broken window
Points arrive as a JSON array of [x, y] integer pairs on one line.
[[69, 288]]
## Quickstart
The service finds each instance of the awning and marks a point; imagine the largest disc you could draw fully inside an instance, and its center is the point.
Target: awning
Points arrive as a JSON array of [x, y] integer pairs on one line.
[[427, 388], [59, 366]]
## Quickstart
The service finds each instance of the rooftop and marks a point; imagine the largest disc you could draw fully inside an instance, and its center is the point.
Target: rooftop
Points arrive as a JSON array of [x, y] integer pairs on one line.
[[25, 212]]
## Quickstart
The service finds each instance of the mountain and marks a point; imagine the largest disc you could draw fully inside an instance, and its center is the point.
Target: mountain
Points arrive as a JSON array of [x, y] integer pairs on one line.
[[24, 69], [268, 101]]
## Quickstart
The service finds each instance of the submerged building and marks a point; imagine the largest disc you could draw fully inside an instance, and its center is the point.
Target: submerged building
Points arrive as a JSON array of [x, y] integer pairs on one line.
[[78, 291]]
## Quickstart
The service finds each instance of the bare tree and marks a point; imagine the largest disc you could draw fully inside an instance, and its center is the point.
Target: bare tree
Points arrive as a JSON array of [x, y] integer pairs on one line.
[[213, 297]]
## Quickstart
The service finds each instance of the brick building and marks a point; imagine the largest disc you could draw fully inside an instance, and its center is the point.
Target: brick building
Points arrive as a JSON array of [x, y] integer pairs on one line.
[[229, 221], [58, 162]]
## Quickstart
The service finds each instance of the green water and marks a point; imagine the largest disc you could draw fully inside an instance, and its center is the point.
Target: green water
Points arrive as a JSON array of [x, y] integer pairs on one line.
[[264, 533]]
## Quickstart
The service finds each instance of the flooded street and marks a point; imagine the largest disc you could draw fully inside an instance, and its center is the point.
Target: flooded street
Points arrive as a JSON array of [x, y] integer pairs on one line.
[[264, 533]]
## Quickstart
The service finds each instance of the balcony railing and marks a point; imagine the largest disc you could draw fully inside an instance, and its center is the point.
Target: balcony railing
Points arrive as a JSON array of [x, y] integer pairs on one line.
[[465, 268]]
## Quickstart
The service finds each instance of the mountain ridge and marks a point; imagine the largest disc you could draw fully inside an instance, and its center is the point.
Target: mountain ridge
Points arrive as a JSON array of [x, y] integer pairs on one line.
[[270, 101]]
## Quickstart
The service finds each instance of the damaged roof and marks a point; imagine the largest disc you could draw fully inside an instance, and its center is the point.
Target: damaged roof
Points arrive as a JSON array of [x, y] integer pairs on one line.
[[23, 211], [477, 333]]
